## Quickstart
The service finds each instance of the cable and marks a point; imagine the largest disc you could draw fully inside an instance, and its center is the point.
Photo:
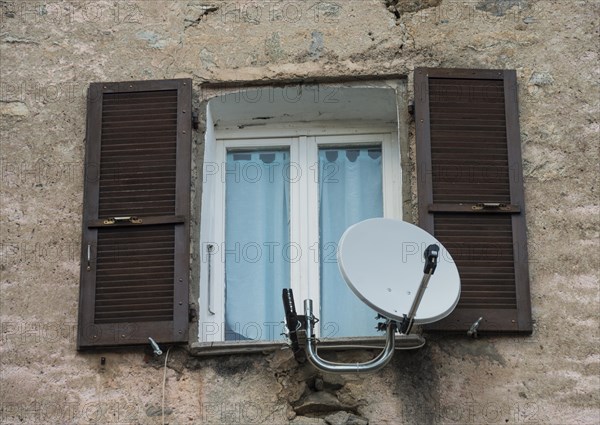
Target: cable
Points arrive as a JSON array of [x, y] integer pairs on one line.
[[163, 386]]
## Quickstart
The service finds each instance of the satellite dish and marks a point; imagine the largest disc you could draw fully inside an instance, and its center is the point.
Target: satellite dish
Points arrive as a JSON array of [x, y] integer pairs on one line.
[[390, 265], [382, 262]]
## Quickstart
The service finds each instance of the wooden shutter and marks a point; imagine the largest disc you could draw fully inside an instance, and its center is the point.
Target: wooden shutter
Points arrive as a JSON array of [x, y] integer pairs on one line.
[[135, 244], [470, 185]]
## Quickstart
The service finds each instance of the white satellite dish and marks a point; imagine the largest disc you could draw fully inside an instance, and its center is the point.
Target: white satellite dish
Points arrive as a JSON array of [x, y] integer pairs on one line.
[[382, 262], [390, 265]]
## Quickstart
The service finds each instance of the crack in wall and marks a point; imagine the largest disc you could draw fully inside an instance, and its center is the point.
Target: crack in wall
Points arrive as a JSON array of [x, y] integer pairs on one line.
[[399, 7], [200, 11]]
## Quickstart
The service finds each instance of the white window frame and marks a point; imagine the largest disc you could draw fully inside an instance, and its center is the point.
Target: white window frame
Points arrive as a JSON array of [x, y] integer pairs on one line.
[[303, 141]]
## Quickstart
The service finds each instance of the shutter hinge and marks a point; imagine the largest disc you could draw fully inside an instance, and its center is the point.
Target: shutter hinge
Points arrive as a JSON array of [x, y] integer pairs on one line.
[[195, 120], [411, 107], [192, 313]]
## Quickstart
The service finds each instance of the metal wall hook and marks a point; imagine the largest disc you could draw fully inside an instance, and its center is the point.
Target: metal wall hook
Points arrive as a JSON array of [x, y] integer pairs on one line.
[[472, 332], [155, 347]]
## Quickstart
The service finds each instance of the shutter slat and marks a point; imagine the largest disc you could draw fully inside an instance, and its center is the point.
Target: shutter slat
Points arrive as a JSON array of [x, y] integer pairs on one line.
[[135, 285], [146, 98], [125, 280], [133, 144], [467, 109], [145, 94], [156, 137], [148, 149], [144, 127], [136, 117], [494, 140], [134, 195], [134, 317], [133, 189], [467, 142], [133, 166], [134, 291], [140, 104], [444, 116]]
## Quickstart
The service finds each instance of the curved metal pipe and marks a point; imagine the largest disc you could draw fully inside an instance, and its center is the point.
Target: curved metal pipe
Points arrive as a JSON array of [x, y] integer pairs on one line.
[[371, 366]]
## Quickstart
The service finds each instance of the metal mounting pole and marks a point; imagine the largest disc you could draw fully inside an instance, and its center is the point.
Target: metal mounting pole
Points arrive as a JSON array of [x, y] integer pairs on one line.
[[431, 255], [377, 363]]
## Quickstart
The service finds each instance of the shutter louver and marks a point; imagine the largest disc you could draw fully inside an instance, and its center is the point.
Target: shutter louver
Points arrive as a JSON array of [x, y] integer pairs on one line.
[[471, 191], [134, 285], [139, 135], [134, 274]]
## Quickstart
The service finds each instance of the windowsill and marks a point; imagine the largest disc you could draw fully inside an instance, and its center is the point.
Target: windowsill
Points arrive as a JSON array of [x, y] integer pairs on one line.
[[354, 343]]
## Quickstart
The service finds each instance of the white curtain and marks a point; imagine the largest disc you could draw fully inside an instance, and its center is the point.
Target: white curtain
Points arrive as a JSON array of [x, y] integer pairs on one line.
[[256, 237], [350, 187]]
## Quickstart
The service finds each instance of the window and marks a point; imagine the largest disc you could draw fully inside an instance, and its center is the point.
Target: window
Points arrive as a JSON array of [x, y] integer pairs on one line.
[[348, 141], [277, 198]]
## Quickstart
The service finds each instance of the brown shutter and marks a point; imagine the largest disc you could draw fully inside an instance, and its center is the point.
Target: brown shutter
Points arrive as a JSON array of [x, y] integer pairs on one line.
[[134, 285], [470, 185]]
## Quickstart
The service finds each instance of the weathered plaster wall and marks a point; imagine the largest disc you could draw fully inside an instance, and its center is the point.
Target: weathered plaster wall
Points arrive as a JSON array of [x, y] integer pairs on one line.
[[51, 51]]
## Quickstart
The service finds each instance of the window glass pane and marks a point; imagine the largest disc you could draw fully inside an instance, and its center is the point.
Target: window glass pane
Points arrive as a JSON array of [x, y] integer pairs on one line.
[[350, 190], [256, 238]]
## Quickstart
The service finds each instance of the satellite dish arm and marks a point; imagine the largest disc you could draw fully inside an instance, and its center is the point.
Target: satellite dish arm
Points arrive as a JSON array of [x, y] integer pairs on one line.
[[431, 257], [371, 366]]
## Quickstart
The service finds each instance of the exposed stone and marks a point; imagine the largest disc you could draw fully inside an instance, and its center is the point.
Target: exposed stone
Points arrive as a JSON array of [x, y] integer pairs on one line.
[[295, 392], [320, 402], [541, 79], [282, 360], [15, 109], [350, 395], [304, 420], [345, 418], [273, 47], [319, 384], [499, 7], [153, 39], [233, 365], [338, 418], [356, 420], [157, 411], [206, 57], [316, 45], [330, 9], [290, 413], [305, 372], [333, 381], [18, 40], [177, 360]]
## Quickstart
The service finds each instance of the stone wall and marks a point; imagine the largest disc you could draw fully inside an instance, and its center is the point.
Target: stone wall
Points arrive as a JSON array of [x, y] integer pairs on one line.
[[51, 51]]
